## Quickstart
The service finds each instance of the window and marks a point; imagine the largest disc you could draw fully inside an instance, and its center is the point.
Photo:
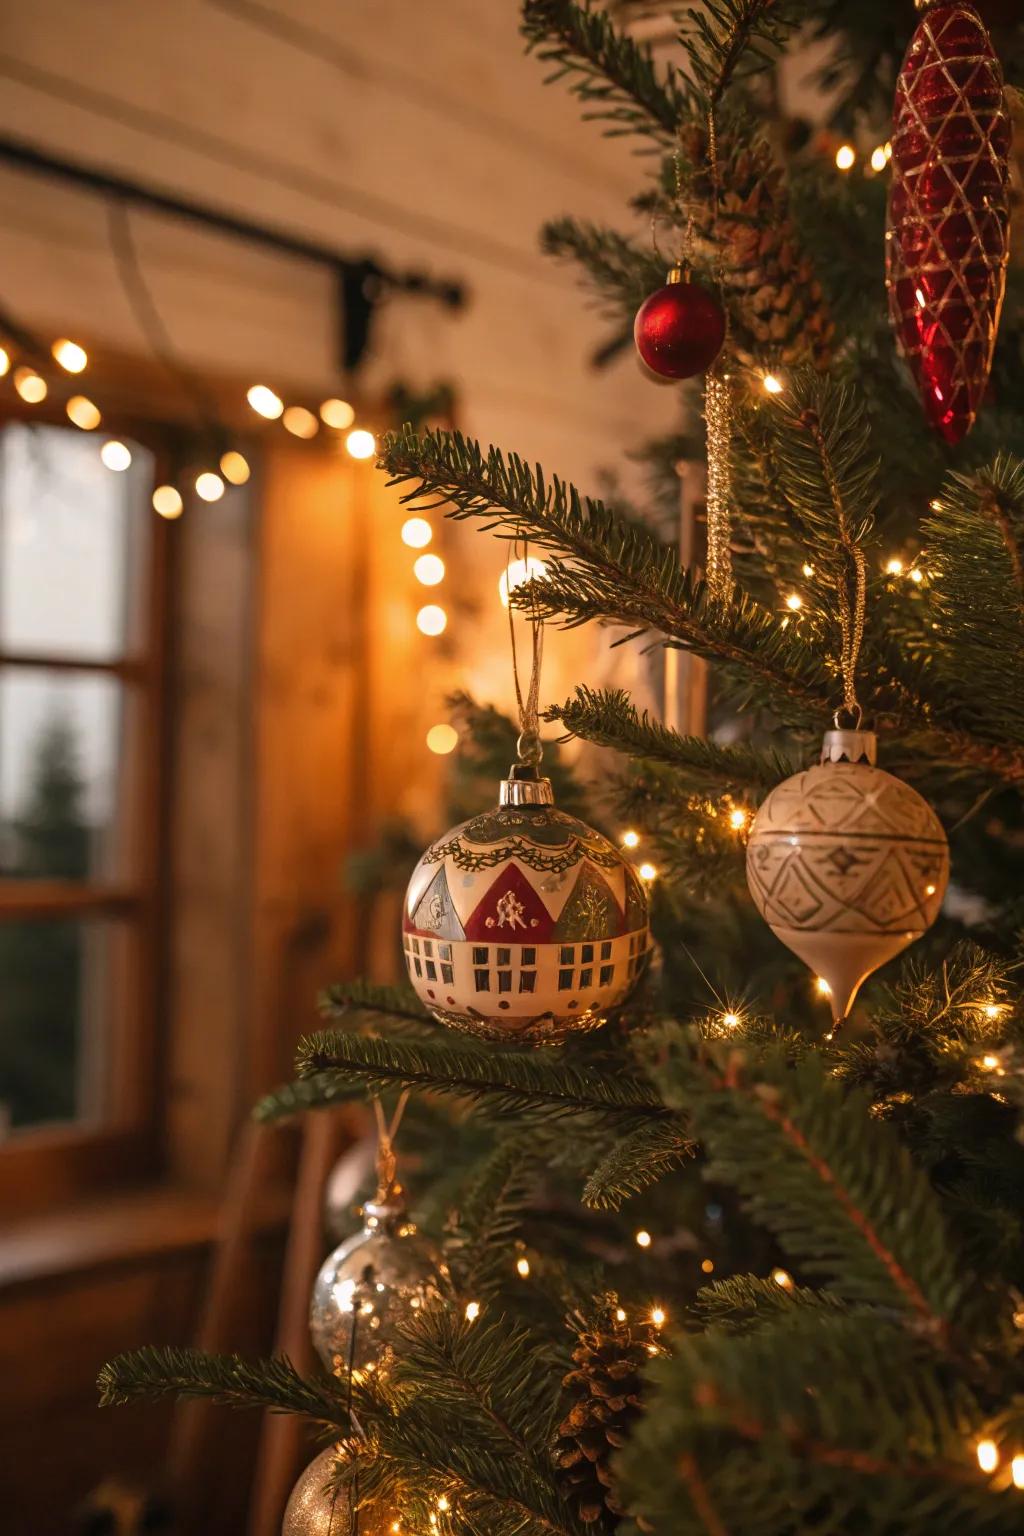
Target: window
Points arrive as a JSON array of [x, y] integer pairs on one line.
[[418, 965], [480, 955], [431, 970], [504, 956], [587, 953], [448, 974], [504, 981], [607, 972], [527, 981], [428, 946], [483, 980], [528, 955], [415, 946], [444, 951], [606, 950], [80, 747], [565, 981], [586, 977], [568, 954]]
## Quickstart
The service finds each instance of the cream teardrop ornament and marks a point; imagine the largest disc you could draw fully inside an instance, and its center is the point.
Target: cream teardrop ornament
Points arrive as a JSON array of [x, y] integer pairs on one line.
[[847, 865]]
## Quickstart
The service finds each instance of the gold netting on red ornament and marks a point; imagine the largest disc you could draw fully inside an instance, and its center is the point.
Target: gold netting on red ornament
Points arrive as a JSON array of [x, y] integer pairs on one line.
[[947, 241]]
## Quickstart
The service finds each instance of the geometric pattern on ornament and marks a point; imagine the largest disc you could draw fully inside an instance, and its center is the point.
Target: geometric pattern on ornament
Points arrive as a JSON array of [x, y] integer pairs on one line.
[[511, 908], [591, 911], [435, 912], [868, 803], [948, 224]]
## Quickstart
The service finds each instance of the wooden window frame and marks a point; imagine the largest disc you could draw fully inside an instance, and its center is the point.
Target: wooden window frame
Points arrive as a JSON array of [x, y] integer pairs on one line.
[[46, 1166]]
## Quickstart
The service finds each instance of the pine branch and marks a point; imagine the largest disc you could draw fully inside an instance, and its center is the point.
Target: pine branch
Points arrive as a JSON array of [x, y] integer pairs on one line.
[[836, 1187], [501, 1081], [151, 1373], [621, 272], [360, 996], [607, 717], [617, 81], [726, 34], [640, 1159], [322, 1091], [742, 1302], [490, 1214]]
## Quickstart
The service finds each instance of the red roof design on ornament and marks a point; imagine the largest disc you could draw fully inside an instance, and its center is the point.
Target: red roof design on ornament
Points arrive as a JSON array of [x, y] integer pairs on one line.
[[510, 910]]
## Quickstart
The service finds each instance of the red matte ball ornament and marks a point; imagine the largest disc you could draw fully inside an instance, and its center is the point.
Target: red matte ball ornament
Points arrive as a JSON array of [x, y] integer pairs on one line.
[[947, 240], [679, 330]]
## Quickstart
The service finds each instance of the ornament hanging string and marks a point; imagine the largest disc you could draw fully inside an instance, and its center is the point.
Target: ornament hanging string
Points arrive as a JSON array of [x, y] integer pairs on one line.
[[852, 611], [386, 1132], [528, 747], [718, 405]]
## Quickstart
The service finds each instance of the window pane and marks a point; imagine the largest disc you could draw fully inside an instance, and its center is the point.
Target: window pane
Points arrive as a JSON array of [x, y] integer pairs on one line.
[[64, 772], [60, 985], [73, 537]]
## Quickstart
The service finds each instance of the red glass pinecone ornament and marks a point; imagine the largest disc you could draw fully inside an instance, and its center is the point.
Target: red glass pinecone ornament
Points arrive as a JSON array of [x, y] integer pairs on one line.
[[947, 241], [605, 1389], [679, 330]]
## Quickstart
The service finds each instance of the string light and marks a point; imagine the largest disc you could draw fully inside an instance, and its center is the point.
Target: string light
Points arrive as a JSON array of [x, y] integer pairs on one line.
[[990, 1062], [643, 1239], [429, 570], [794, 602], [647, 872], [29, 385], [300, 422], [116, 456], [472, 1311], [887, 147], [518, 572], [234, 467], [783, 1279], [808, 570], [337, 413], [879, 158], [209, 487], [523, 1267], [416, 532], [442, 739], [431, 620], [657, 1317], [894, 567], [71, 357], [620, 1314], [822, 987], [361, 444], [264, 402], [167, 502], [730, 1020], [5, 361], [1017, 1471], [916, 575], [737, 819], [443, 1505], [992, 1010], [708, 1266], [772, 384], [988, 1455], [846, 157], [631, 839], [82, 413]]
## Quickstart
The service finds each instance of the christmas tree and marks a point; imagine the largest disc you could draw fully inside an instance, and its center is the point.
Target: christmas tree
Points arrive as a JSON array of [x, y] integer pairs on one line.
[[720, 1266]]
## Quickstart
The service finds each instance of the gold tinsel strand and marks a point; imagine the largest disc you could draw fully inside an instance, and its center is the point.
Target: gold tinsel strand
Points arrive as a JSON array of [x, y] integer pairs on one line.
[[718, 415]]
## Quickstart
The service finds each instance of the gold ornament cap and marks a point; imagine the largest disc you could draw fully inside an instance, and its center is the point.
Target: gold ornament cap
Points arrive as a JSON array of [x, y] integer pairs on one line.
[[850, 747], [525, 785]]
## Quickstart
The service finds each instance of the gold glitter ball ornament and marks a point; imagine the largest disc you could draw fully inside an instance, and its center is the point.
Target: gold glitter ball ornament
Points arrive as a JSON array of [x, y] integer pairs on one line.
[[524, 925], [315, 1508], [375, 1279], [847, 865]]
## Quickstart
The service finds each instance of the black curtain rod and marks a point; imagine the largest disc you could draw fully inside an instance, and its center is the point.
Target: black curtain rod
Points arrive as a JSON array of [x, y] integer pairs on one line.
[[351, 270]]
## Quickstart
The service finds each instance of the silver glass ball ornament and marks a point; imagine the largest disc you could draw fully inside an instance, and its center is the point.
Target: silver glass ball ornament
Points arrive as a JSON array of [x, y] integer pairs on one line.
[[315, 1508], [377, 1278]]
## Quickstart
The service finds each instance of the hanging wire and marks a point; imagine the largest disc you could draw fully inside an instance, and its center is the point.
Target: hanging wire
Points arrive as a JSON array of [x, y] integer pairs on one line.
[[528, 747], [718, 412]]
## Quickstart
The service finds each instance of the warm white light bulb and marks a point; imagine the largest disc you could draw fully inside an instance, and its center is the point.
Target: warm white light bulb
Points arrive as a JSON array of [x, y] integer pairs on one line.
[[822, 987], [643, 1239], [416, 532], [300, 422], [879, 158], [429, 570], [431, 620], [30, 386], [894, 567], [730, 1020], [916, 576], [518, 572], [264, 402], [82, 413], [523, 1267], [657, 1317], [794, 602], [361, 444], [116, 456], [209, 487], [647, 872], [5, 361], [808, 570], [1017, 1471], [737, 819], [337, 414], [442, 739], [167, 501], [846, 157], [71, 357], [234, 466], [783, 1279], [772, 384], [631, 839], [472, 1311], [988, 1455]]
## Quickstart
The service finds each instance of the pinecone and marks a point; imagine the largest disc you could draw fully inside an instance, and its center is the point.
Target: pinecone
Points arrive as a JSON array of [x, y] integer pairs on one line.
[[605, 1389]]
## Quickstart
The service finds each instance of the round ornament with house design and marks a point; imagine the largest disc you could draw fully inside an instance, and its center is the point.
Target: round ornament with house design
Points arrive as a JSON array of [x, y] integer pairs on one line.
[[524, 925]]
